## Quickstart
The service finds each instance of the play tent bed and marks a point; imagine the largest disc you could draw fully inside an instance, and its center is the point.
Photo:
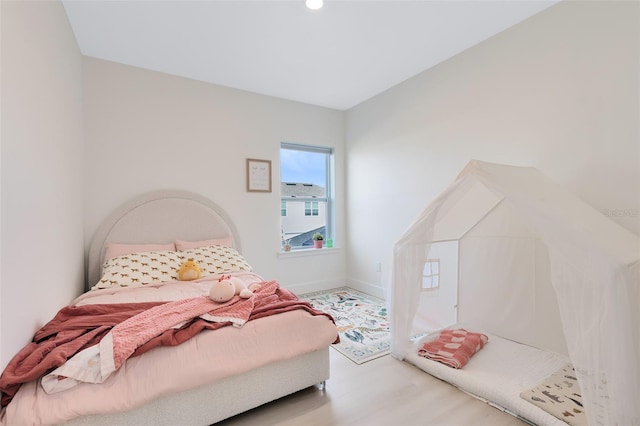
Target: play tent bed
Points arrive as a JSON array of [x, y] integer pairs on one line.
[[277, 346], [508, 253], [499, 373]]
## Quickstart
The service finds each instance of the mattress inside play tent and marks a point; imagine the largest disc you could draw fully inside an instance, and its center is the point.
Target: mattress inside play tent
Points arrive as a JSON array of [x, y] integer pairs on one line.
[[507, 252], [498, 374]]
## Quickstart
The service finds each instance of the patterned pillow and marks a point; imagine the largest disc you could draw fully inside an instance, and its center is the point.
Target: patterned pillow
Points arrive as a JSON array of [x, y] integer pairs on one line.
[[560, 396], [216, 259], [138, 269]]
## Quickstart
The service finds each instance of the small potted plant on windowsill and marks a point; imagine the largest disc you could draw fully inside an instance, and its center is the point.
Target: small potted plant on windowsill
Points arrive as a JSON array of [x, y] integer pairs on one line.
[[317, 240]]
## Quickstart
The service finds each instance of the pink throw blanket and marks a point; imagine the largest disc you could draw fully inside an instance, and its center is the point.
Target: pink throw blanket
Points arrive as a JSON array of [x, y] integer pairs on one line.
[[453, 347], [95, 364], [122, 341]]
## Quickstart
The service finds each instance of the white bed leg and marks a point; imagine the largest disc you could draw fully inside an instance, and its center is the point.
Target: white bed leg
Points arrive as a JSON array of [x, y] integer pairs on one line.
[[321, 385]]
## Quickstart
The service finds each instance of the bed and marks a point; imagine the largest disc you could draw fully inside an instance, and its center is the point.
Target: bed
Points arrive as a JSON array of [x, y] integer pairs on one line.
[[500, 373], [213, 375]]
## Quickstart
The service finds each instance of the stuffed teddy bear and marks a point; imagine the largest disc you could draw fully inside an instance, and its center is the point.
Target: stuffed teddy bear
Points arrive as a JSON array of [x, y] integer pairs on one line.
[[189, 270], [226, 287]]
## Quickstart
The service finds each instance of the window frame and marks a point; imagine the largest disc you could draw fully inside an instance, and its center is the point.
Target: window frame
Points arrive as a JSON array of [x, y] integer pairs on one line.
[[328, 199], [431, 275]]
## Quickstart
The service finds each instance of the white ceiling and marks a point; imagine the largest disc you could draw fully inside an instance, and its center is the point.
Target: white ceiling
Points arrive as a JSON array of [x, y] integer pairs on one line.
[[335, 57]]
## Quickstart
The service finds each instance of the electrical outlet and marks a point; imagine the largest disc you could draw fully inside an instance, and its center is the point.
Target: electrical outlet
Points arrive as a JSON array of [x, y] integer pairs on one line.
[[378, 267]]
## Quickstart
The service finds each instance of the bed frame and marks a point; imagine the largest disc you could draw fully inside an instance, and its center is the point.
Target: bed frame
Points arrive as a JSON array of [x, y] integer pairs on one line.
[[162, 217]]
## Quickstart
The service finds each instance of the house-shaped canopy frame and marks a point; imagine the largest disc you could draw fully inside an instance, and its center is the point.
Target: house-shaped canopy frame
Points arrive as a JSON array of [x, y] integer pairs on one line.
[[534, 264]]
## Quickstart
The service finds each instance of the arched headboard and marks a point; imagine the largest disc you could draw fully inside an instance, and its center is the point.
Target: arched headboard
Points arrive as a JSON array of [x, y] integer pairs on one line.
[[159, 217]]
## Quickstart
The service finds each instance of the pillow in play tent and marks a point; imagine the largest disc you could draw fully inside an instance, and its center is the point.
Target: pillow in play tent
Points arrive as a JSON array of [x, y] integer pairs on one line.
[[559, 395]]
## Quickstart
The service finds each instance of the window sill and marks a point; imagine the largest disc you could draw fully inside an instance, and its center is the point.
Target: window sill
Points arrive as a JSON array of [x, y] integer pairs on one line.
[[308, 252]]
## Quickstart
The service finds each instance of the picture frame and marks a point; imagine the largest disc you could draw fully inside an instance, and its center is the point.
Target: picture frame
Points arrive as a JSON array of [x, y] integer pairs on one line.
[[258, 175]]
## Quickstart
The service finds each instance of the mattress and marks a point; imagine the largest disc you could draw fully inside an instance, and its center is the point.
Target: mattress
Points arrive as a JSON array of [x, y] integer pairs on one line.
[[498, 373]]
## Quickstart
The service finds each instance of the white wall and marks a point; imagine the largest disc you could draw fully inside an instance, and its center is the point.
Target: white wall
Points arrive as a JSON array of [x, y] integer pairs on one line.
[[147, 130], [42, 262], [558, 92]]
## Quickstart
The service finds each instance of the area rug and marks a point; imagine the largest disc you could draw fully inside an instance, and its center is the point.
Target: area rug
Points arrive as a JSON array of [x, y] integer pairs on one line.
[[361, 320]]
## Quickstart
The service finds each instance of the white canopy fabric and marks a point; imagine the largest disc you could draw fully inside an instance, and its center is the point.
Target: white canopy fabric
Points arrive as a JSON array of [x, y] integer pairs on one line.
[[535, 264]]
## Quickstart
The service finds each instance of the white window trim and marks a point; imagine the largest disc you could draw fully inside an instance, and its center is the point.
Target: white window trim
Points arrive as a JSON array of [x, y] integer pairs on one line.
[[303, 252], [330, 178]]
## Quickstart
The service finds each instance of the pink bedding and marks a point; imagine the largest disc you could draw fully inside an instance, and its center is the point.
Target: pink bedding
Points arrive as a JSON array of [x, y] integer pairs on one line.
[[211, 354]]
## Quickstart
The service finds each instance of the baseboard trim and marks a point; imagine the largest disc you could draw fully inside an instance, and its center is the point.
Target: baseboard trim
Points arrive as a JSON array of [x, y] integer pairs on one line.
[[314, 286], [365, 287]]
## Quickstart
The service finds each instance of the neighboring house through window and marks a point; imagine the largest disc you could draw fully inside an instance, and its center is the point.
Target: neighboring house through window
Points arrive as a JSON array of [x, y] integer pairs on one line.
[[306, 179]]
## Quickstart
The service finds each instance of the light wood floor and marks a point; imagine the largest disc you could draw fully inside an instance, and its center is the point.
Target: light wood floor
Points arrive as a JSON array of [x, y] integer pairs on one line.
[[384, 392]]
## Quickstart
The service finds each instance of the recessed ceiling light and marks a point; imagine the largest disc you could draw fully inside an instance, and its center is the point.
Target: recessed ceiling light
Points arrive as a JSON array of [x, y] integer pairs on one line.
[[314, 4]]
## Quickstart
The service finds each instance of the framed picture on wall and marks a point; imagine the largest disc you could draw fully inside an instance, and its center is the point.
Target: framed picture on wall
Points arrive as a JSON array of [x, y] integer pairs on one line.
[[258, 175]]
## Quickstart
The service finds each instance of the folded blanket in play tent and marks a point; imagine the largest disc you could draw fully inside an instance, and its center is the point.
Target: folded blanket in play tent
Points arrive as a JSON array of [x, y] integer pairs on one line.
[[453, 347]]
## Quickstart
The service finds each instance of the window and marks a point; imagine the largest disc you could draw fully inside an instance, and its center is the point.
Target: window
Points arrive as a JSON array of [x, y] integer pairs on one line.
[[306, 185], [311, 208], [431, 274]]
